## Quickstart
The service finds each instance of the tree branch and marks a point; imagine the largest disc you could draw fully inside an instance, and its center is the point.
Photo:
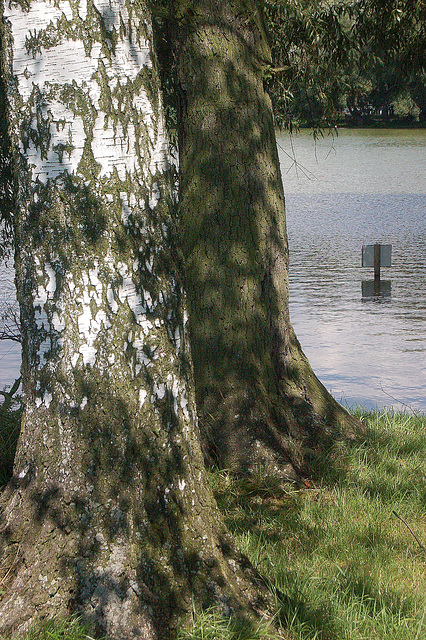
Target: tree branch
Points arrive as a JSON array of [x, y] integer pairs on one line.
[[410, 530]]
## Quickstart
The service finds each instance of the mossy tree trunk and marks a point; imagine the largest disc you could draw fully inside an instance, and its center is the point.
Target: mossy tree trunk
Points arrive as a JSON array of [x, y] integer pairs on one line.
[[108, 513], [259, 401]]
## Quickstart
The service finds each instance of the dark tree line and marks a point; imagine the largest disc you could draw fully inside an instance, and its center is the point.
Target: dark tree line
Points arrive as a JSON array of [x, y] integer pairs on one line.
[[353, 62]]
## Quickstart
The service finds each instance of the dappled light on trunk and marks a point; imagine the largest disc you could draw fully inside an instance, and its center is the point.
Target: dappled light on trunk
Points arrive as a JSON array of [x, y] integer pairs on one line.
[[259, 402], [108, 514]]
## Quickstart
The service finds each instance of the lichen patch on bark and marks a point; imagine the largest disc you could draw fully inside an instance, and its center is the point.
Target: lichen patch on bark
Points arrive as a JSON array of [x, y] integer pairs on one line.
[[109, 513]]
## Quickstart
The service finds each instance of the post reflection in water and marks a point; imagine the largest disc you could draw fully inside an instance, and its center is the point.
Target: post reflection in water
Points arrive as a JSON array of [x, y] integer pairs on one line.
[[366, 342], [376, 289]]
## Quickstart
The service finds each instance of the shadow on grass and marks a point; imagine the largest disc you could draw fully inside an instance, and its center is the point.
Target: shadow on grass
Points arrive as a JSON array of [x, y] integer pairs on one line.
[[270, 511], [296, 611], [357, 585], [357, 603], [290, 538], [70, 629], [385, 463]]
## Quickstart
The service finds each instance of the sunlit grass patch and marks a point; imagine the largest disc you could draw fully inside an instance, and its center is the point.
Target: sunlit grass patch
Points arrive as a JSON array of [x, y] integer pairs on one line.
[[69, 629], [343, 566], [208, 625]]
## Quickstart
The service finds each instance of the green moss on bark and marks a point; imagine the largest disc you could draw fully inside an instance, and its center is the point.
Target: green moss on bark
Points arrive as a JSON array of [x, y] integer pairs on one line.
[[108, 513], [259, 401]]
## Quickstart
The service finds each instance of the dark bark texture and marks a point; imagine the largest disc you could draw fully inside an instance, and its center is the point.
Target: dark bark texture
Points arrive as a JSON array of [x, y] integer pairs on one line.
[[259, 402]]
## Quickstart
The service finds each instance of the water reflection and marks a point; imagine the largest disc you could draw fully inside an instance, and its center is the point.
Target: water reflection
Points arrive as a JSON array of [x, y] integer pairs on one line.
[[366, 348], [376, 290]]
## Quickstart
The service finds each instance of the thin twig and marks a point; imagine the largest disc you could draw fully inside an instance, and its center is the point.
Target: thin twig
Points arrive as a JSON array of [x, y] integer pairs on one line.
[[410, 530], [295, 163], [415, 412], [4, 578]]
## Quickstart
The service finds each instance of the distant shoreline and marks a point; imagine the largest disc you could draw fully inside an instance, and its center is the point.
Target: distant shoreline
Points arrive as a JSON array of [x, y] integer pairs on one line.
[[370, 124]]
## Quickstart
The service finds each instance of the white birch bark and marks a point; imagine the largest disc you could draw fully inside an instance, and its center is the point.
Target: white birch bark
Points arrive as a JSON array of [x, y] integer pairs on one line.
[[109, 513], [95, 177], [94, 170]]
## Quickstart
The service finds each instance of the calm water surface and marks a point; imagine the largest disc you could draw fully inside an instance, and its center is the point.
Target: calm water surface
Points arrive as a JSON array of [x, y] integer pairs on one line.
[[358, 188], [10, 352], [361, 187]]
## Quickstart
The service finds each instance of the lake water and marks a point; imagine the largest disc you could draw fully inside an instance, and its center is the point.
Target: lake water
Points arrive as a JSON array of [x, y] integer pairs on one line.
[[10, 352], [361, 187]]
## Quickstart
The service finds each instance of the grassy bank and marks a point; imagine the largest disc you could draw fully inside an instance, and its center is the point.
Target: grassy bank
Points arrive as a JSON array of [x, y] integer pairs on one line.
[[342, 564]]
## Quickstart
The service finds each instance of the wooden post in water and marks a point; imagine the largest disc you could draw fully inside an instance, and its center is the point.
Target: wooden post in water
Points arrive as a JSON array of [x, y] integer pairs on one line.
[[376, 255], [376, 263]]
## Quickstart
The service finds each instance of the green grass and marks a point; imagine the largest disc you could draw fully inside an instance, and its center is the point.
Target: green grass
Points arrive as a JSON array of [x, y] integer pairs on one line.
[[209, 626], [341, 565], [10, 417], [71, 629]]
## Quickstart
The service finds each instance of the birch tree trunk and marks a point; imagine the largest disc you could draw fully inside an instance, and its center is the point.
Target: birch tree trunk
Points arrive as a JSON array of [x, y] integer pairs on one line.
[[108, 513], [259, 401]]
